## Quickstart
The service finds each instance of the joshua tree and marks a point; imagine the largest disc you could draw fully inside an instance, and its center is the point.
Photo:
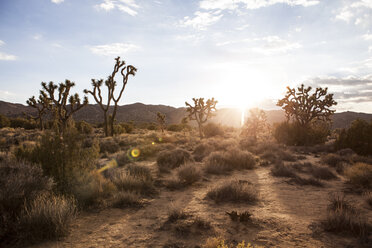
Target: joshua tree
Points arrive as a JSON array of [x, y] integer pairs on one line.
[[41, 105], [201, 111], [304, 107], [161, 121], [110, 83], [63, 105], [255, 124]]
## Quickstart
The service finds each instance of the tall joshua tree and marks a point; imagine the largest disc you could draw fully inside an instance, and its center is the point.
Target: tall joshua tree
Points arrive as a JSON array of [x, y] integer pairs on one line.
[[201, 111], [110, 83], [41, 105], [304, 107], [161, 121], [63, 105]]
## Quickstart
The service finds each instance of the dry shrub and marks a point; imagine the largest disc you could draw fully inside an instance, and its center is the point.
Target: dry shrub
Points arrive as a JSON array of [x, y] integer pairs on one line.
[[233, 159], [108, 145], [213, 129], [171, 159], [125, 199], [360, 175], [323, 173], [218, 242], [306, 181], [342, 217], [333, 159], [189, 174], [177, 214], [234, 191], [368, 197], [125, 181], [302, 167], [47, 217], [201, 151], [280, 170]]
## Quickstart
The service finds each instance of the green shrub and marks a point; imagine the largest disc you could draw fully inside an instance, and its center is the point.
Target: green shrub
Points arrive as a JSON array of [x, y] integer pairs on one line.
[[4, 121], [23, 123], [234, 191], [360, 175], [171, 159], [296, 135], [212, 129], [47, 217], [358, 137]]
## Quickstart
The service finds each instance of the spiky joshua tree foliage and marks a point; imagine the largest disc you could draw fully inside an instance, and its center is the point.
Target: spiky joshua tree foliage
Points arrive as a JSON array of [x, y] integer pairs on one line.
[[160, 117], [305, 107], [201, 112], [110, 83], [42, 104], [62, 104], [256, 124]]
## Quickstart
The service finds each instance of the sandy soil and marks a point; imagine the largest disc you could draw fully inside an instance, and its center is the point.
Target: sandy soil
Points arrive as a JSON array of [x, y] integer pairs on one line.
[[285, 216]]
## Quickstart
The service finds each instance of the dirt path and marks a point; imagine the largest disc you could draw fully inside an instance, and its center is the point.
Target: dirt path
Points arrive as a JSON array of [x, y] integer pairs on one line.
[[281, 218]]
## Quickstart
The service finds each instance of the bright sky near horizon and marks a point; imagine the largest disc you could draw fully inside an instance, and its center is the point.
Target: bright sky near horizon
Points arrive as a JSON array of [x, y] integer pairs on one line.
[[242, 52]]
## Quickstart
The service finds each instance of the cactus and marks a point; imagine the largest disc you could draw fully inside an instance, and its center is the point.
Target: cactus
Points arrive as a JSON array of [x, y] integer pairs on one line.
[[161, 121], [201, 112], [41, 105], [110, 83]]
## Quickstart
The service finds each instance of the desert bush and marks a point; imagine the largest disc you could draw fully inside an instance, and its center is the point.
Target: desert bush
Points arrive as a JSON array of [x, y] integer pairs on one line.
[[234, 191], [368, 197], [323, 173], [188, 174], [306, 181], [212, 129], [280, 170], [123, 199], [171, 159], [122, 159], [360, 175], [47, 217], [333, 159], [218, 242], [177, 214], [84, 127], [342, 217], [302, 167], [23, 123], [136, 183], [358, 137], [4, 121], [232, 159], [296, 135], [201, 151], [139, 171], [20, 182], [108, 145], [176, 127], [127, 126]]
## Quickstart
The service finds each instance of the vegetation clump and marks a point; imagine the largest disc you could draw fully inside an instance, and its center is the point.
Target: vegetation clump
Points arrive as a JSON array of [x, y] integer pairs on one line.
[[360, 175], [171, 159], [234, 191]]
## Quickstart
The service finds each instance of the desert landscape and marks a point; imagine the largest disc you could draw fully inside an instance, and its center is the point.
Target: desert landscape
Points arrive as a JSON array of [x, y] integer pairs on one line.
[[245, 162]]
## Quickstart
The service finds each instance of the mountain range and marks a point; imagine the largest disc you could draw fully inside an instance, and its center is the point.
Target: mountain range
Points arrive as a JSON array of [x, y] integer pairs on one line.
[[140, 113]]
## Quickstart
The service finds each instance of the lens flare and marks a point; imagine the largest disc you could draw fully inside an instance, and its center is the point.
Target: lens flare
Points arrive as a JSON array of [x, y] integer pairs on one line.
[[135, 152], [153, 143], [110, 164], [160, 139]]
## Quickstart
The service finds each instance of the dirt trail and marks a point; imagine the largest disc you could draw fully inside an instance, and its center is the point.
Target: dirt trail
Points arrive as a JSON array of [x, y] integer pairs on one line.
[[282, 218]]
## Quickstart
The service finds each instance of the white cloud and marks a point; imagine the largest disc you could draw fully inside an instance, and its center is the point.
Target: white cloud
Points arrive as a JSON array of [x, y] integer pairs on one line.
[[5, 56], [57, 1], [252, 4], [127, 6], [2, 42], [114, 49], [37, 37], [367, 36], [359, 11], [201, 20], [345, 15], [242, 27]]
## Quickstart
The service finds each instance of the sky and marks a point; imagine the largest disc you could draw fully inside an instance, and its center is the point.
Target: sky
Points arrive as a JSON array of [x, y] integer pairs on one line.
[[242, 52]]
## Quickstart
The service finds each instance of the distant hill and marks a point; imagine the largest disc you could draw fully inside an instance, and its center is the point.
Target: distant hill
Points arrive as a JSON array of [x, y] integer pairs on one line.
[[139, 112]]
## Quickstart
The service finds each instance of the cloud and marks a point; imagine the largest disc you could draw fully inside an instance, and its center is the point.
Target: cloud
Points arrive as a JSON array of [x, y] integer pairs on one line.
[[350, 89], [5, 56], [57, 1], [127, 6], [367, 36], [201, 20], [265, 45], [114, 49], [37, 37], [358, 11], [251, 4]]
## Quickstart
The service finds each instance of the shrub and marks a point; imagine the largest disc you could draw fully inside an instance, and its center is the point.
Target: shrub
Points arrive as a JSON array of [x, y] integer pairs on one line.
[[22, 123], [232, 159], [333, 160], [297, 135], [234, 191], [4, 121], [218, 242], [125, 199], [368, 197], [280, 170], [177, 214], [212, 129], [125, 181], [201, 151], [47, 217], [360, 175], [176, 127], [323, 173], [358, 137], [188, 174], [306, 181], [171, 159], [108, 145], [139, 171], [127, 126], [84, 127]]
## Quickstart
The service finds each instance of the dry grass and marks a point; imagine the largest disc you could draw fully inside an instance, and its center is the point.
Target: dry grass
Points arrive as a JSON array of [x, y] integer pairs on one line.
[[125, 199], [368, 197], [306, 181], [234, 191], [360, 175], [333, 159], [280, 170], [189, 174], [323, 173], [218, 242], [171, 159], [47, 217], [125, 181], [177, 214]]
